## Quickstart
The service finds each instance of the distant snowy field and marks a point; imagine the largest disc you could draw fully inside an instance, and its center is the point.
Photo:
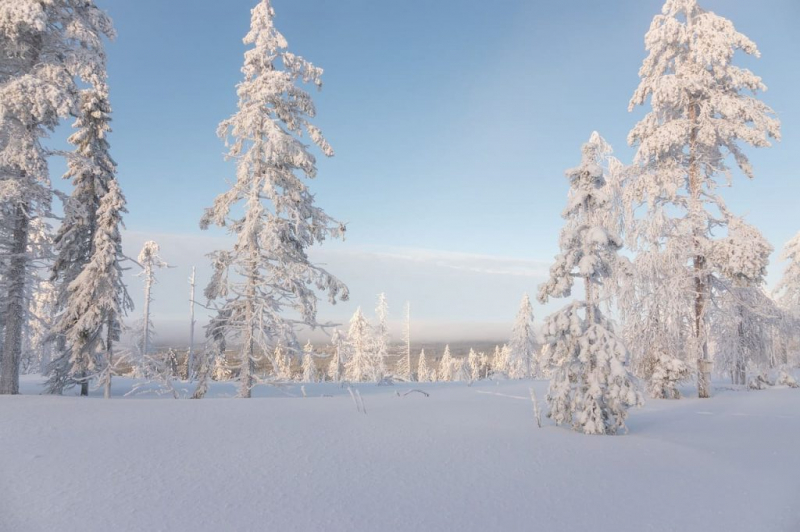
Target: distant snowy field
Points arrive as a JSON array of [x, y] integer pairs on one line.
[[463, 459]]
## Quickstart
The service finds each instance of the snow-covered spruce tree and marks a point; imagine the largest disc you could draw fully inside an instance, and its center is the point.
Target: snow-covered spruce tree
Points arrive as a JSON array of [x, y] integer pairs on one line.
[[702, 109], [380, 350], [744, 318], [220, 371], [336, 365], [590, 387], [360, 365], [272, 271], [447, 369], [522, 363], [403, 368], [424, 373], [474, 363], [310, 373], [150, 261], [92, 297], [282, 365], [48, 47]]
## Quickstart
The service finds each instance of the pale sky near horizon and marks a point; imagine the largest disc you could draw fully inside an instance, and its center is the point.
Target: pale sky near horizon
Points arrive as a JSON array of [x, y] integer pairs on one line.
[[453, 122]]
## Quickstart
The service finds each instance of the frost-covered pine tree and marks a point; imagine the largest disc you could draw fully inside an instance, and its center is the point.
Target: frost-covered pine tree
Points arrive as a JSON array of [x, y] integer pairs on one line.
[[48, 48], [282, 365], [381, 336], [703, 108], [360, 365], [220, 371], [310, 373], [424, 373], [522, 362], [447, 369], [150, 260], [272, 273], [590, 388], [474, 363], [92, 297], [336, 365]]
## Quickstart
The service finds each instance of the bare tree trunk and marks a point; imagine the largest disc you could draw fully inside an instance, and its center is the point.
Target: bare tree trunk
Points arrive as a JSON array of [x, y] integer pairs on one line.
[[15, 309], [148, 285], [109, 356], [190, 355]]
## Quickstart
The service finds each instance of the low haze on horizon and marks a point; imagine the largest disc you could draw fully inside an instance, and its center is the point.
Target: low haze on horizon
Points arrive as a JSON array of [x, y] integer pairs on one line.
[[453, 123]]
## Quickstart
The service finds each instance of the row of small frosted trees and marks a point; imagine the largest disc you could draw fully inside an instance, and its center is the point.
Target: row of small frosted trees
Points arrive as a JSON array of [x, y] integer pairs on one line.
[[365, 354]]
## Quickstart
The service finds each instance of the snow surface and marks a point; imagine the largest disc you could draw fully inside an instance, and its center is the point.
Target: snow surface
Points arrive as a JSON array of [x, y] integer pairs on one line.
[[465, 458]]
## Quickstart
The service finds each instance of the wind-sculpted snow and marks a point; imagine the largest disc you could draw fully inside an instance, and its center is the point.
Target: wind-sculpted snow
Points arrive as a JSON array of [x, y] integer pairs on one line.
[[464, 458]]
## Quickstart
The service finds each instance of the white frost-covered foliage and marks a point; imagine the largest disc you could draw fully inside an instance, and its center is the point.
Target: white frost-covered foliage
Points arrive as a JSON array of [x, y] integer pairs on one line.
[[447, 367], [523, 347], [668, 371], [745, 319], [92, 297], [150, 260], [590, 387], [41, 293], [360, 365], [265, 285], [703, 109], [787, 297], [220, 371], [49, 47], [787, 292], [424, 373], [381, 338], [339, 357], [475, 366], [282, 365], [310, 373]]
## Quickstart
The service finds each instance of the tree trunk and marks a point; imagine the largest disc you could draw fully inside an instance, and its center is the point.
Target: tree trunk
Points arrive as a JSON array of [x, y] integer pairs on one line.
[[15, 309], [109, 356], [190, 355], [148, 285], [698, 261]]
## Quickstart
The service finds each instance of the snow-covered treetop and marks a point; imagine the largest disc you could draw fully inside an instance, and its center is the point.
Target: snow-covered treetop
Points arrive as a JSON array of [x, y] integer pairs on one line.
[[688, 71], [47, 46], [743, 256], [588, 247], [149, 256]]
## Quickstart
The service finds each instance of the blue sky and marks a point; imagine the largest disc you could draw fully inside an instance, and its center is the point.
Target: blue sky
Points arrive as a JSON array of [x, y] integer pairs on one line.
[[453, 121]]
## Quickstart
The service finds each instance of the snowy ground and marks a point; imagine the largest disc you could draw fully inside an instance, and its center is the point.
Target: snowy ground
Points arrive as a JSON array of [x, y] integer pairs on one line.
[[465, 458]]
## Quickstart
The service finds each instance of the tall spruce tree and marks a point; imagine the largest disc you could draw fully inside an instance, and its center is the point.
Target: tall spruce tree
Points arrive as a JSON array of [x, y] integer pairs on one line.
[[92, 298], [590, 387], [48, 48], [272, 271]]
